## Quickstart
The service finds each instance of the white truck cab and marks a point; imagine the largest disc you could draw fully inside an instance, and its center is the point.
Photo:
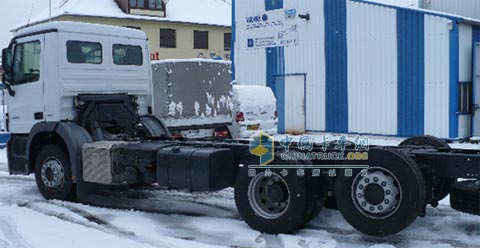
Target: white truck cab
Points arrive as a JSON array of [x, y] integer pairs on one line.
[[55, 62], [52, 69]]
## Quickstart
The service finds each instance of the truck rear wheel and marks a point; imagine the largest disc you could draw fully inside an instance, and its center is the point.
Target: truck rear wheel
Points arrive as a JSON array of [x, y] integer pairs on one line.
[[273, 204], [385, 200], [53, 174]]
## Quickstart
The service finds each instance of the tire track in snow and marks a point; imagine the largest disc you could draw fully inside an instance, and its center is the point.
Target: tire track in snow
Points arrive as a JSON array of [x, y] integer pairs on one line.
[[15, 239], [344, 236], [353, 237], [91, 221]]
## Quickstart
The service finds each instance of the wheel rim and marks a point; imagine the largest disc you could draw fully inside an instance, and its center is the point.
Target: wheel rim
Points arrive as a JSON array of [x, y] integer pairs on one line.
[[378, 194], [52, 173], [269, 197]]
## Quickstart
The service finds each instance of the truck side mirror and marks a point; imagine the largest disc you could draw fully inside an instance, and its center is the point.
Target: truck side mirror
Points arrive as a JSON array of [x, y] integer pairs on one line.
[[7, 60], [7, 66]]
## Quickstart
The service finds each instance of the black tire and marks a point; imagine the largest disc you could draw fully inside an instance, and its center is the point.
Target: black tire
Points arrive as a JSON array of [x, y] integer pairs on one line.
[[404, 179], [465, 197], [296, 214], [425, 140], [441, 188], [65, 189], [315, 201]]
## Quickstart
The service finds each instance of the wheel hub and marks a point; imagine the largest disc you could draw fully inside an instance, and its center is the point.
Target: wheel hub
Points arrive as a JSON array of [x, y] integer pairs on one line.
[[269, 197], [378, 194], [374, 194], [277, 192], [52, 173]]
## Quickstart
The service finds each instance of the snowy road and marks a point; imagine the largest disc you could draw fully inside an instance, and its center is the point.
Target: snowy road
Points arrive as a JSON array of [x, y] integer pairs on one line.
[[179, 219]]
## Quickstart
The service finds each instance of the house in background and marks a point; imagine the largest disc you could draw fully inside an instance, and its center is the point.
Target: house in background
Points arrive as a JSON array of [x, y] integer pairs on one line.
[[176, 29]]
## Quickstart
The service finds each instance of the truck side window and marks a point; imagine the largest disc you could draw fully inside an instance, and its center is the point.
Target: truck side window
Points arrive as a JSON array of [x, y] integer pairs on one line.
[[82, 52], [27, 62], [127, 55]]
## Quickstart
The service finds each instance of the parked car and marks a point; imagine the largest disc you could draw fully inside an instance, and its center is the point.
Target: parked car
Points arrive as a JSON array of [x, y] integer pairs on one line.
[[193, 96], [255, 110]]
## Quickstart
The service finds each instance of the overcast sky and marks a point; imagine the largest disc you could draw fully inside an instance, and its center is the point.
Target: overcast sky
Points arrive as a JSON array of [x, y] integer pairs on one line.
[[13, 12]]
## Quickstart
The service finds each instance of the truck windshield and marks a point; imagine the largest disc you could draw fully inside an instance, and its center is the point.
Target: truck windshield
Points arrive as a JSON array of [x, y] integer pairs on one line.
[[27, 62], [127, 55]]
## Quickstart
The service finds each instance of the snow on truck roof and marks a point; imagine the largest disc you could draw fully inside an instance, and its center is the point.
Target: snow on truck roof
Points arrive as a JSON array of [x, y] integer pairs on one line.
[[77, 27], [193, 60], [203, 12]]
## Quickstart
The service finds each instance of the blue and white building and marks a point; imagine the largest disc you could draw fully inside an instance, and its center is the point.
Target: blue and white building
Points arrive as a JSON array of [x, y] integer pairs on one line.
[[353, 66]]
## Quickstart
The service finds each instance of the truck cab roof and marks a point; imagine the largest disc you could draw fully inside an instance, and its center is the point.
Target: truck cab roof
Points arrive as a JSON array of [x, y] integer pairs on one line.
[[77, 27]]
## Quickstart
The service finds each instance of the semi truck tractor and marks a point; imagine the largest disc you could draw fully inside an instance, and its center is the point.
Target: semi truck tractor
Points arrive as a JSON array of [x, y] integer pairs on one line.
[[80, 113]]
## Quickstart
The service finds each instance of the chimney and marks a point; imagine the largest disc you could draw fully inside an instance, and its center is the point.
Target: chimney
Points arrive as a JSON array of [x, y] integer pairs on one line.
[[124, 5]]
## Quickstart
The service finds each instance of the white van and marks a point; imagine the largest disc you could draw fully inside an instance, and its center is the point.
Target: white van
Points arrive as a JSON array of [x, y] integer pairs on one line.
[[256, 110]]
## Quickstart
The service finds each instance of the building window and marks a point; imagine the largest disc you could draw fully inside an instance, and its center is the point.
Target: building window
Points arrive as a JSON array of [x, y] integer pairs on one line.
[[200, 39], [227, 41], [133, 27], [27, 62], [137, 4], [147, 4], [127, 55], [168, 38], [81, 52], [155, 4], [465, 98]]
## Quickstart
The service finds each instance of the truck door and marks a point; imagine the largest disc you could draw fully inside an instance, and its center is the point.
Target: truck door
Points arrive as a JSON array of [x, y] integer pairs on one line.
[[476, 90], [26, 107]]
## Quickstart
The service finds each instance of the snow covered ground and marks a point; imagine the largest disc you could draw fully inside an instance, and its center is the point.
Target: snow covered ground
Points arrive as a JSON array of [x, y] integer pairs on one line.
[[180, 219]]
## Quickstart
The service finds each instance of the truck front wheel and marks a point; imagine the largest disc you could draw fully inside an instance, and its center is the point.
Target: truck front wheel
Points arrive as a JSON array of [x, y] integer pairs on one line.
[[53, 174], [387, 198], [273, 203]]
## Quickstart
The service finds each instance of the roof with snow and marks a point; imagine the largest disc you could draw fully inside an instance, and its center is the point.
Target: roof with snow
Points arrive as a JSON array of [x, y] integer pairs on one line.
[[88, 28], [204, 12]]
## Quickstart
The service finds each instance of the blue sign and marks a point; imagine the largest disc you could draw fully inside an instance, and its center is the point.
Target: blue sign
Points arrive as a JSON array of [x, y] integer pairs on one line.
[[257, 18], [290, 14], [250, 43]]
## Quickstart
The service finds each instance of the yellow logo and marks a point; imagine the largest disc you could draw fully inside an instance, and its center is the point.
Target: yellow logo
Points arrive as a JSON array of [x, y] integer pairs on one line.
[[263, 146]]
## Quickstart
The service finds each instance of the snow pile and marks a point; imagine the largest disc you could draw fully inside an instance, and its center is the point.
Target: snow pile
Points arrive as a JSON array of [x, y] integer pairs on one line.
[[210, 12], [253, 96]]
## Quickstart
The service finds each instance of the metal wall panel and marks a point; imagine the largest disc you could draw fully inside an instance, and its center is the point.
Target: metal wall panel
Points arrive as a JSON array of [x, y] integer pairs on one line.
[[336, 66], [309, 57], [465, 45], [467, 8], [411, 73], [372, 68], [377, 59], [250, 64], [465, 72], [437, 74]]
